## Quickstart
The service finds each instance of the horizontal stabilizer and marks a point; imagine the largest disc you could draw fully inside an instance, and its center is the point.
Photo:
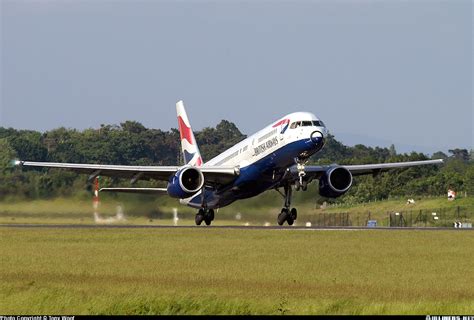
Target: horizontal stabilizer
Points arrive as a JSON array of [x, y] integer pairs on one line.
[[136, 190]]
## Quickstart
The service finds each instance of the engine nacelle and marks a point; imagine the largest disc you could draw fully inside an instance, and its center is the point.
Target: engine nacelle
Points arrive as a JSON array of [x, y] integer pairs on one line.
[[185, 183], [335, 182]]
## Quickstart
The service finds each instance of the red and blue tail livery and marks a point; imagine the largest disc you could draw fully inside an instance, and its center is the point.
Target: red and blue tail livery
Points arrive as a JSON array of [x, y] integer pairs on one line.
[[284, 124], [191, 154]]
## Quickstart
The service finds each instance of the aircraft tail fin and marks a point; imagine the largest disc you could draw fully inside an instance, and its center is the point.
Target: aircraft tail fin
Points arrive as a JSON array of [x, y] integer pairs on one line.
[[191, 154]]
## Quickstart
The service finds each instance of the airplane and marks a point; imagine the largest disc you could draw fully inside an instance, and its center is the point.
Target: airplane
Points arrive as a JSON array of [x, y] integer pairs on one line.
[[273, 158]]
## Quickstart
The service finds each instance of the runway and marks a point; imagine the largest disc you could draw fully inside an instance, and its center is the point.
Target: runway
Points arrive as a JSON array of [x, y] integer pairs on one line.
[[284, 228]]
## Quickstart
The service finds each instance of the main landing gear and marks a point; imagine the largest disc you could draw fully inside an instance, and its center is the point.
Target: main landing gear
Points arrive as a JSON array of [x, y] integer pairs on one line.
[[286, 214], [204, 215]]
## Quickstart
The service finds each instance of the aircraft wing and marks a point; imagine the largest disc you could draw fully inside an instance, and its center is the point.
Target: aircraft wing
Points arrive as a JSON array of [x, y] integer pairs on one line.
[[155, 191], [212, 174], [316, 172]]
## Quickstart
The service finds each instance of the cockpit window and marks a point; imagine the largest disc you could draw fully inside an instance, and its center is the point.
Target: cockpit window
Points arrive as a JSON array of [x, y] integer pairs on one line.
[[318, 123], [295, 124]]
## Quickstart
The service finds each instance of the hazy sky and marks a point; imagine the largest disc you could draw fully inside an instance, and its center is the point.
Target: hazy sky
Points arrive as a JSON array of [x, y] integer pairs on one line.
[[377, 72]]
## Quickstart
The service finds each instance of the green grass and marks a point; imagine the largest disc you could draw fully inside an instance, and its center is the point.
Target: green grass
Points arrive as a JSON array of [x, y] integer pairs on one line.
[[255, 211], [401, 205], [220, 271]]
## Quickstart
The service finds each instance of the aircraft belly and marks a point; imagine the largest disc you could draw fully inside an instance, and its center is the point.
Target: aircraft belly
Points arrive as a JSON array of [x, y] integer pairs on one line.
[[260, 176]]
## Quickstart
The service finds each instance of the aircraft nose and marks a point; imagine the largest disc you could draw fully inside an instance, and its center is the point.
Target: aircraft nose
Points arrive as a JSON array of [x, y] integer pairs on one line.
[[317, 138]]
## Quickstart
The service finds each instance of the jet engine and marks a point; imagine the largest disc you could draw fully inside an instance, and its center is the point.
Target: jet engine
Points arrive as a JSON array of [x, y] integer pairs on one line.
[[335, 182], [185, 182]]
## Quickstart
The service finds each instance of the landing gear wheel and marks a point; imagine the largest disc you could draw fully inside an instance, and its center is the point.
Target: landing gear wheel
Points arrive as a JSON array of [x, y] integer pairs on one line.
[[293, 214], [208, 217], [282, 216], [304, 186], [199, 218], [287, 214], [297, 185]]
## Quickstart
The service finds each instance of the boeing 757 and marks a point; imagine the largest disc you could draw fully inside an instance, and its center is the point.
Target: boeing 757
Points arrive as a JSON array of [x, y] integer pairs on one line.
[[273, 158]]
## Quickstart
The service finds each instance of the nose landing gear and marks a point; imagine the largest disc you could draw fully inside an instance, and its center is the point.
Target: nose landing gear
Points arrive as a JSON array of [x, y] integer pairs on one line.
[[303, 185]]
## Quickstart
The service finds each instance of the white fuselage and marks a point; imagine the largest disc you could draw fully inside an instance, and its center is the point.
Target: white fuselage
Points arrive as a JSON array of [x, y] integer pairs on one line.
[[269, 139], [263, 157]]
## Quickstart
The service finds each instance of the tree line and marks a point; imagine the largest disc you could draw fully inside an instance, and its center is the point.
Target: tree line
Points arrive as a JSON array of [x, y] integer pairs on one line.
[[131, 143]]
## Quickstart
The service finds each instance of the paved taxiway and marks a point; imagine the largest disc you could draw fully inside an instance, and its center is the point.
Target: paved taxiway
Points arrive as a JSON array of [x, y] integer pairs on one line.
[[299, 228]]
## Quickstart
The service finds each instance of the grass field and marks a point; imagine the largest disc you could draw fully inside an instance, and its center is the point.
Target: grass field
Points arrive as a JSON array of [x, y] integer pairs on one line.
[[220, 271]]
